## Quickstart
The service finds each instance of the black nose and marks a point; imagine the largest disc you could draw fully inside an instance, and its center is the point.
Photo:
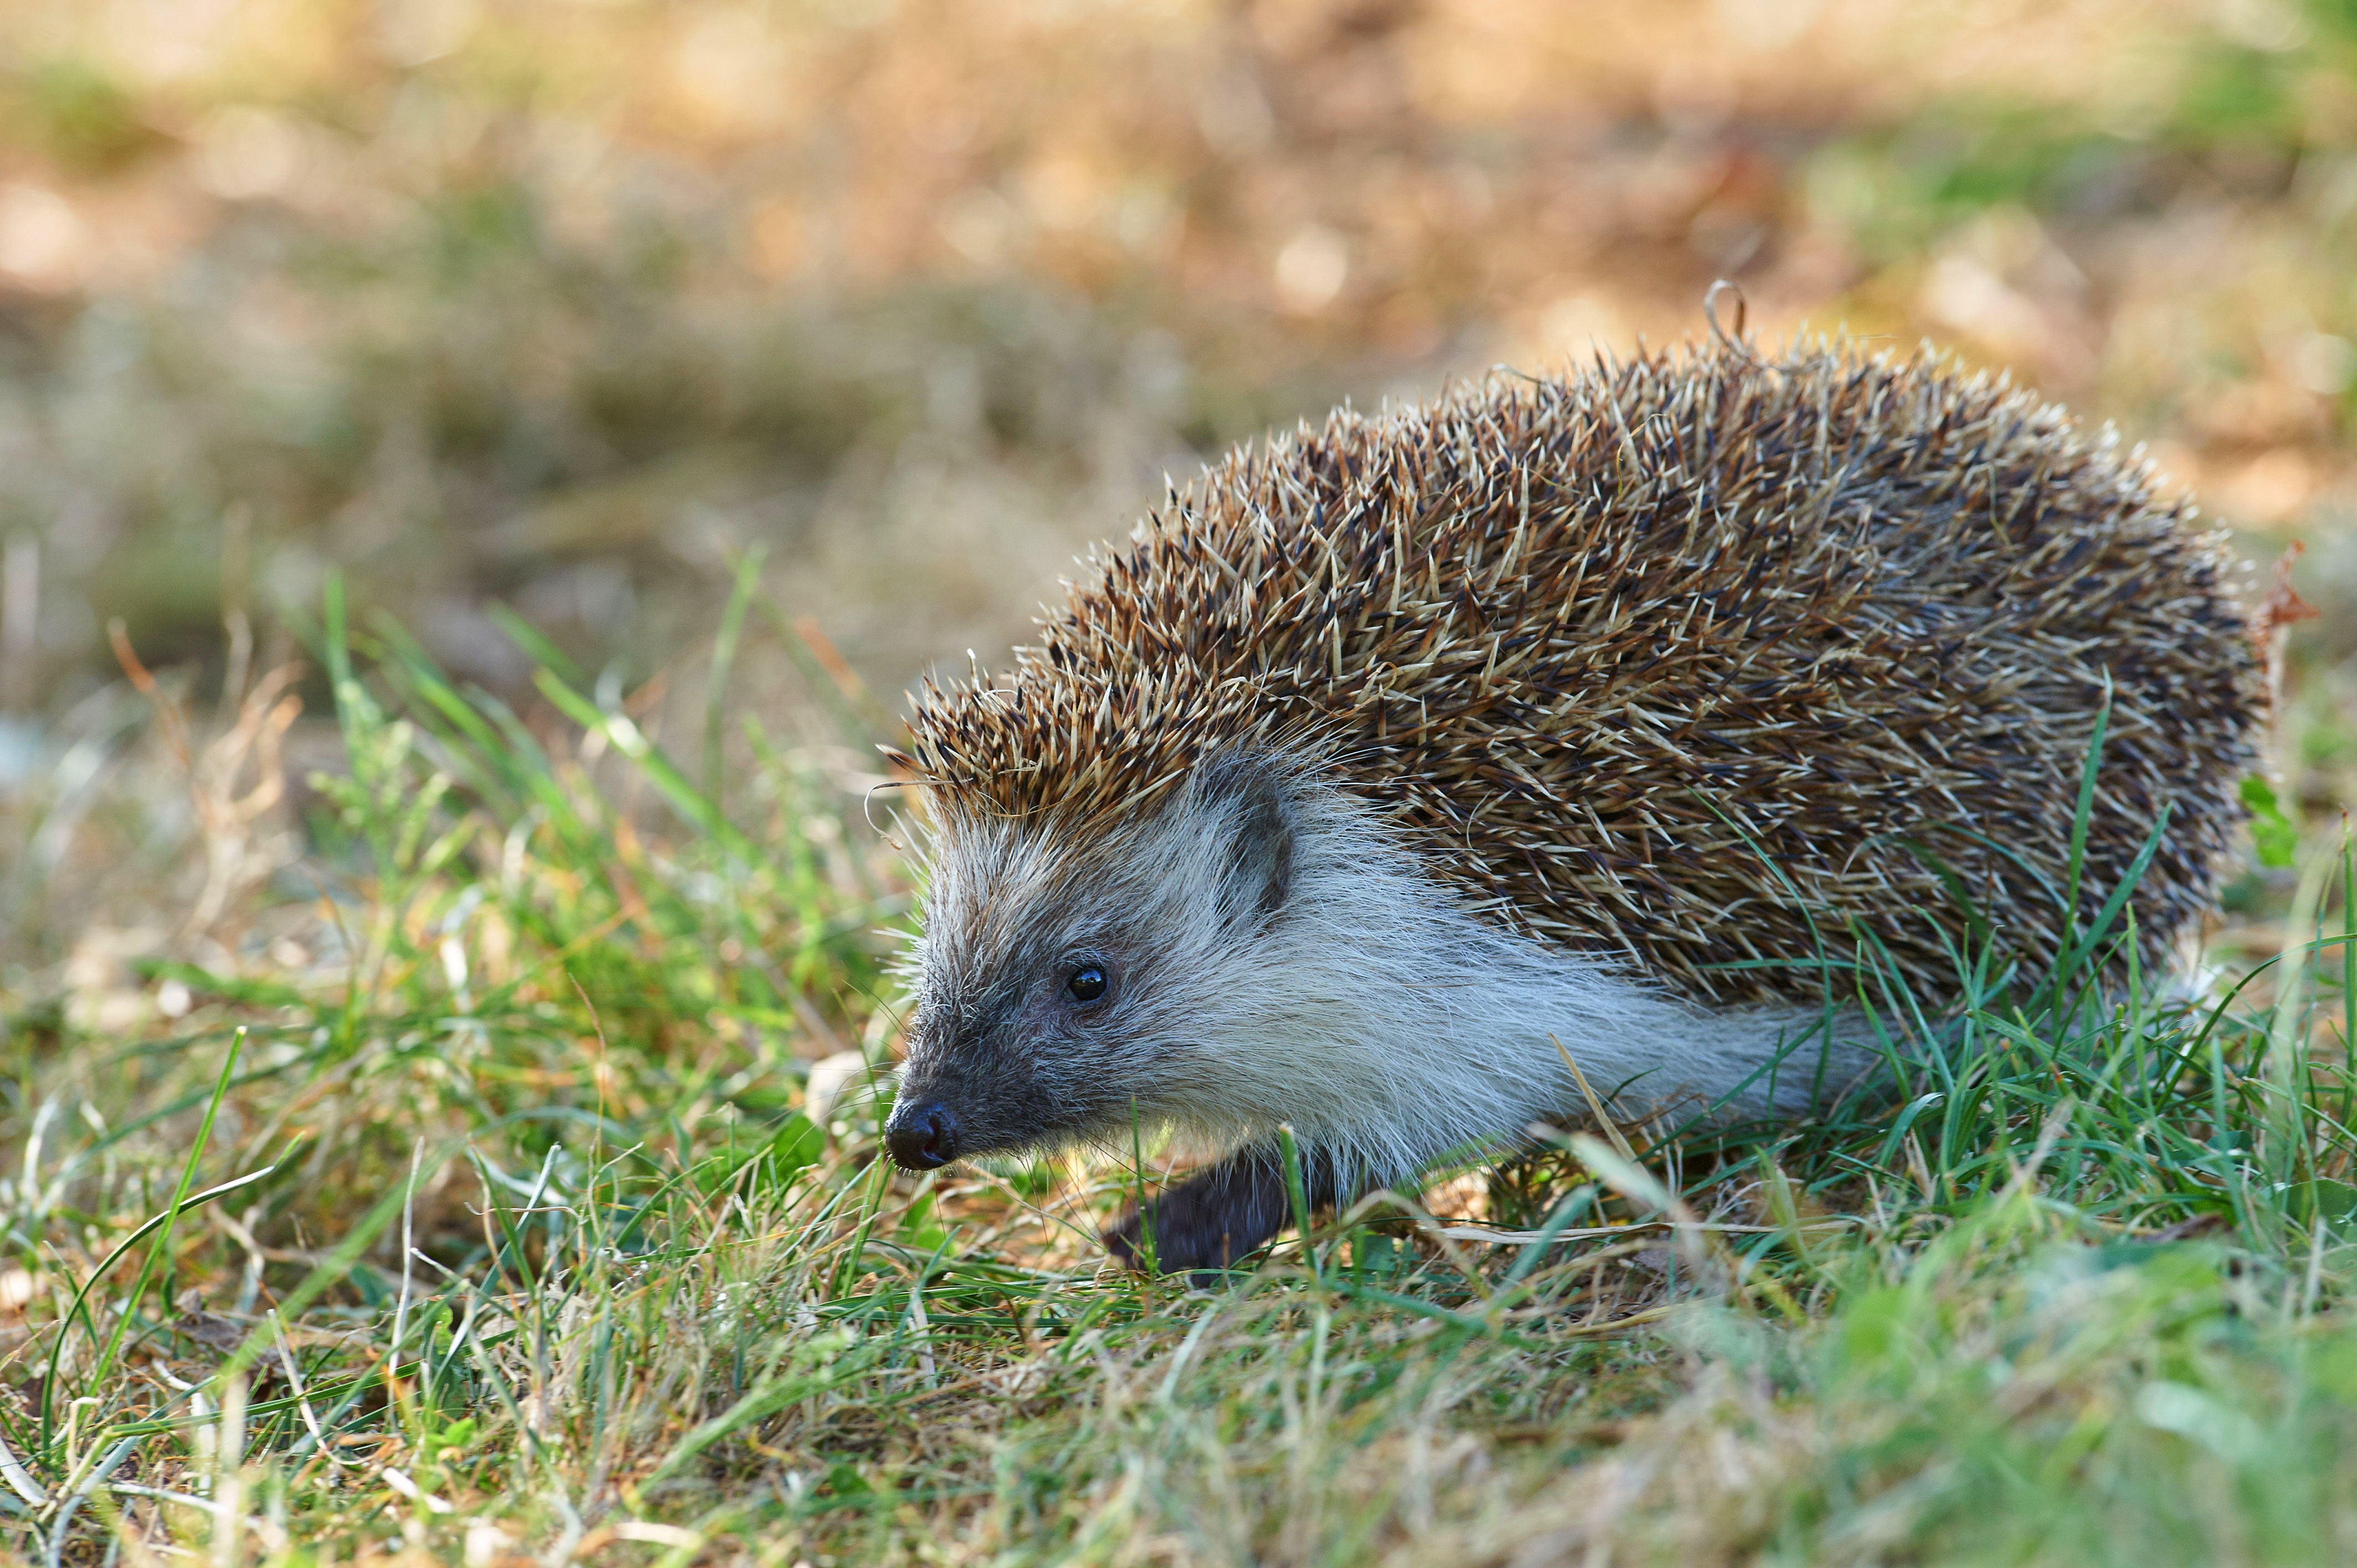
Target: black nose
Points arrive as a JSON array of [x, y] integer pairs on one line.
[[922, 1137]]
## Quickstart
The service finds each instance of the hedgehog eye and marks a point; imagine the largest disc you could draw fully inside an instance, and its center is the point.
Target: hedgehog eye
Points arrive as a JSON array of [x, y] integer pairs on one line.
[[1088, 983]]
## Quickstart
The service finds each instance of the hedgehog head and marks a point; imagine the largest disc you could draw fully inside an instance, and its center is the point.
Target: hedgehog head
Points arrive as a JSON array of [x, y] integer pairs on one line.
[[1078, 975]]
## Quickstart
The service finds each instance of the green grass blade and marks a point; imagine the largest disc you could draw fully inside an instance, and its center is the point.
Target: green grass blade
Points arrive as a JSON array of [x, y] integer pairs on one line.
[[164, 1223]]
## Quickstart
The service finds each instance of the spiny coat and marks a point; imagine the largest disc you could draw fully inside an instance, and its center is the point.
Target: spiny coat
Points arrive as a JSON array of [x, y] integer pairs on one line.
[[1702, 663]]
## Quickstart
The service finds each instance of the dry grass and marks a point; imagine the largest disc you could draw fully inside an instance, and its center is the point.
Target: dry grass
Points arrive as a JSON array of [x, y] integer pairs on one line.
[[564, 304]]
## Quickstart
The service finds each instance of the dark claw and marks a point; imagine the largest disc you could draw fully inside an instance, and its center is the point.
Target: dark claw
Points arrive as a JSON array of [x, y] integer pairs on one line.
[[1218, 1215]]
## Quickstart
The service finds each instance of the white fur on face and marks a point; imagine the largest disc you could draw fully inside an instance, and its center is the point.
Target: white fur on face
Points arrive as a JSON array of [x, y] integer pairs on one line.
[[1371, 1011]]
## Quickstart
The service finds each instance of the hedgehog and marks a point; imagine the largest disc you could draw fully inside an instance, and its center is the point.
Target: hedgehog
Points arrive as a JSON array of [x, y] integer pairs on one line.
[[1428, 779]]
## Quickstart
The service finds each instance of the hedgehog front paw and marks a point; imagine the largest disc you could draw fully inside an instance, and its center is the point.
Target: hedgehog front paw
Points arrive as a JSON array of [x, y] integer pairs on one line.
[[1206, 1222]]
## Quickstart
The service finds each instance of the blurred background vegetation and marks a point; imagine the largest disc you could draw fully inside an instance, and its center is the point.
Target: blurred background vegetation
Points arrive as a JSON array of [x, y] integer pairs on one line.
[[475, 476], [562, 306]]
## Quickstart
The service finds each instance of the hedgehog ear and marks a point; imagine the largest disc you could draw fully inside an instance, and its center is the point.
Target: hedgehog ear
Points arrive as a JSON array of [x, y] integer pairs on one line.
[[1249, 799]]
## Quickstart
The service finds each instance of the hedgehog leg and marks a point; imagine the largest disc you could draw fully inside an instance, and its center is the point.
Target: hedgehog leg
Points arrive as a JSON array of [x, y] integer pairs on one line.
[[1220, 1214]]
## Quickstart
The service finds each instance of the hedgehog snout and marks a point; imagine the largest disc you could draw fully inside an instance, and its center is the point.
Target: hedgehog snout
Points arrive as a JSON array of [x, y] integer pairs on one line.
[[923, 1135], [991, 1090]]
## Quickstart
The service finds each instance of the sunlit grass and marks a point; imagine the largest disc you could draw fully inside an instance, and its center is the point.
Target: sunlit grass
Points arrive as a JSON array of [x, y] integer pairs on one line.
[[510, 1224]]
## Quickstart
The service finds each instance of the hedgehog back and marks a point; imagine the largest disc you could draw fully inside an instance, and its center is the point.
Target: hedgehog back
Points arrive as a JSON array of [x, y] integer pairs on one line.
[[1706, 662]]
